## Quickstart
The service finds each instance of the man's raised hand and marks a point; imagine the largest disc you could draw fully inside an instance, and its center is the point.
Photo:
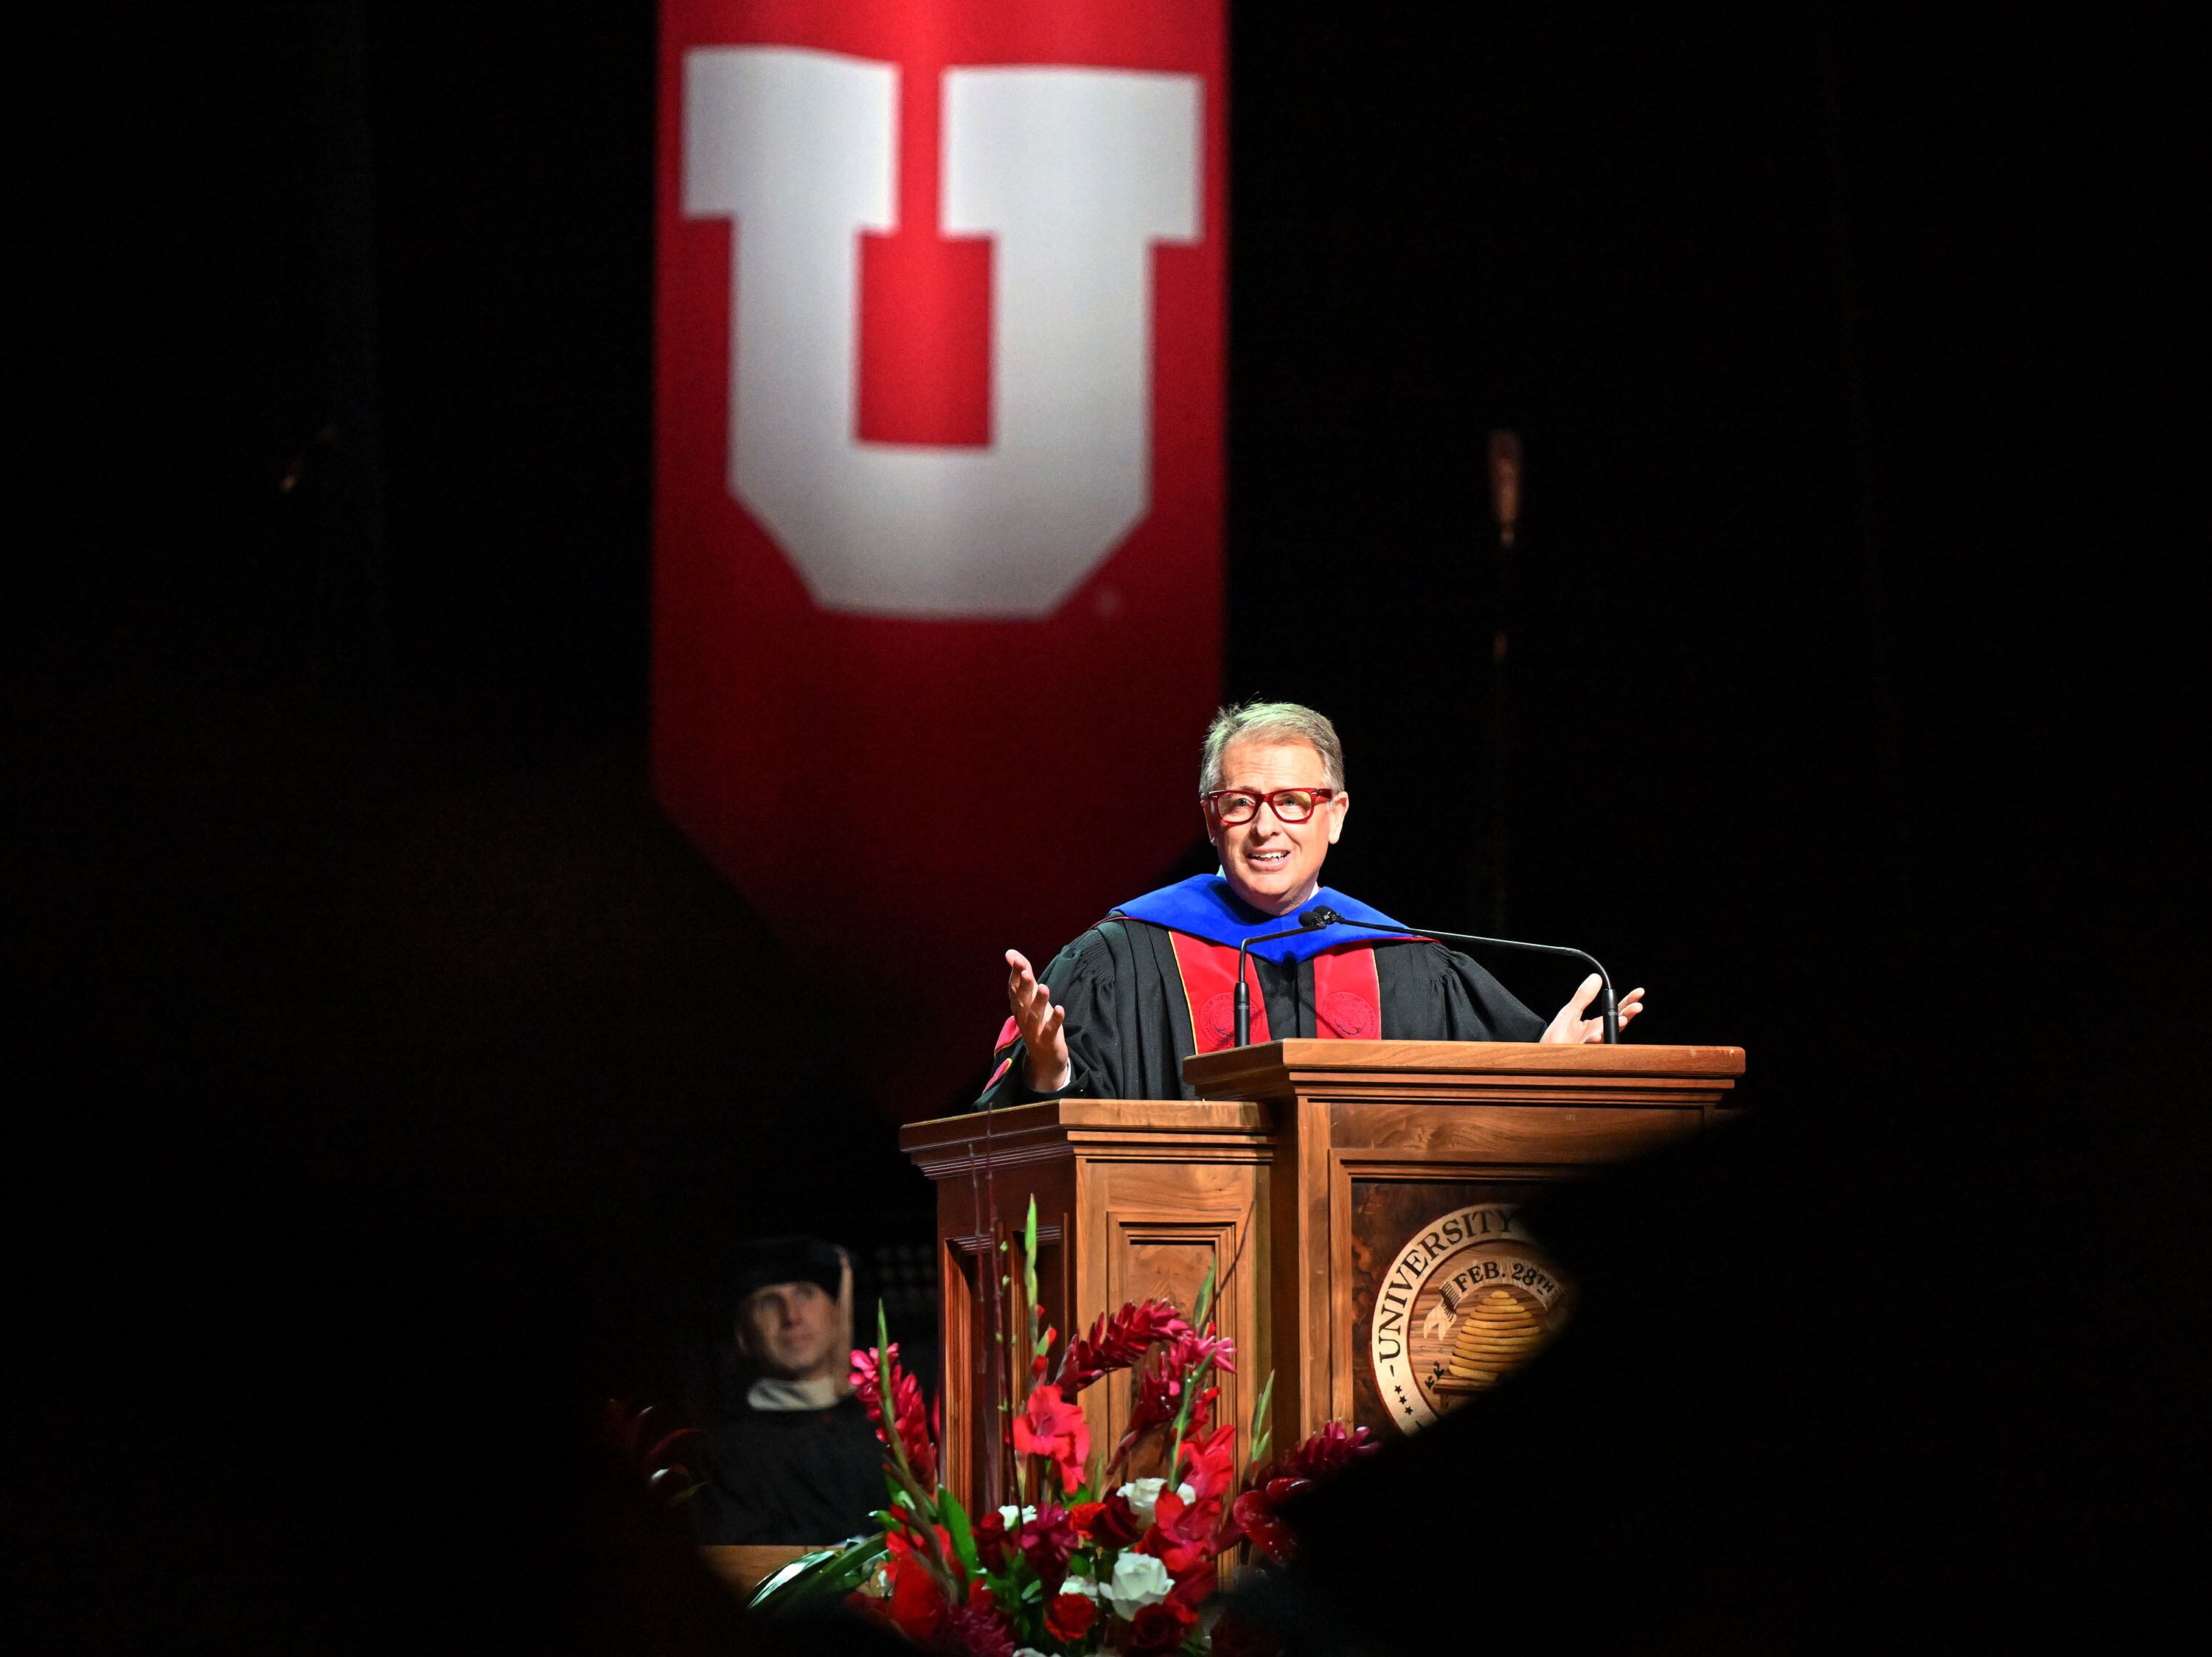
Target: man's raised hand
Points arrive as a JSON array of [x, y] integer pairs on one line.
[[1570, 1025], [1044, 1036]]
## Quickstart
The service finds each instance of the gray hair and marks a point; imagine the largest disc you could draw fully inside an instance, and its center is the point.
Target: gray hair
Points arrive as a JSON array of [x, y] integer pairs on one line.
[[1270, 721]]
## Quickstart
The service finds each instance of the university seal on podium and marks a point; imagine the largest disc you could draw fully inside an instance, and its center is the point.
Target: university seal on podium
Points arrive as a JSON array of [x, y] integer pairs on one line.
[[1469, 1298]]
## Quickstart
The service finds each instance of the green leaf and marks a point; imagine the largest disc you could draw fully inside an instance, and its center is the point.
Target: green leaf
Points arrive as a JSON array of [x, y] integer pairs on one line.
[[1205, 1298], [1260, 1410], [825, 1573], [1030, 1283], [954, 1517], [1029, 1253], [784, 1580]]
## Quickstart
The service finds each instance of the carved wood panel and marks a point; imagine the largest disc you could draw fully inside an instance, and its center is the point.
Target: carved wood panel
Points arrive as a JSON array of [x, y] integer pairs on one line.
[[1163, 1225]]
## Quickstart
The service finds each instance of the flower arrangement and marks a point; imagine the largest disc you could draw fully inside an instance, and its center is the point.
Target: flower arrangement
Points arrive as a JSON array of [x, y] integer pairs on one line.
[[1085, 1559]]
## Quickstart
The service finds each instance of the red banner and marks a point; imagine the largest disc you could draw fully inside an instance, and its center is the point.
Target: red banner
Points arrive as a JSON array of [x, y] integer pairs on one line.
[[938, 506]]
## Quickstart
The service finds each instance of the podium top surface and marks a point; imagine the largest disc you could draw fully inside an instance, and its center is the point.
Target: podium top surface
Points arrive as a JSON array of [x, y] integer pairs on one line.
[[1234, 1072], [1155, 1118], [1235, 1084]]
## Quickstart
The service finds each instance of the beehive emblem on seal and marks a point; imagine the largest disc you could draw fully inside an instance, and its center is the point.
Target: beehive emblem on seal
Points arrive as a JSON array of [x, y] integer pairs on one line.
[[1470, 1298]]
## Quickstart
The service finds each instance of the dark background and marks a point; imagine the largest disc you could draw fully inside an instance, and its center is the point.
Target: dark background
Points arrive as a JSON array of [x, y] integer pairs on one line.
[[388, 1074]]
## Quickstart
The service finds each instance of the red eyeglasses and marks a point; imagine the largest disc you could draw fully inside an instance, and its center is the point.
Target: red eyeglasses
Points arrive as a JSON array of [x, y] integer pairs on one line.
[[1231, 807]]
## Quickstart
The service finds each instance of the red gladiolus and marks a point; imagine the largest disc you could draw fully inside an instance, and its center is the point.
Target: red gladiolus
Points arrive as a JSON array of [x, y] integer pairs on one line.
[[1055, 1428], [1195, 1589], [909, 1415], [1162, 1381], [867, 1384], [1158, 1387], [1181, 1534], [1161, 1627], [1209, 1465], [905, 1541], [1187, 1349], [1201, 1411], [1256, 1517], [1068, 1617], [1273, 1481], [1331, 1450], [916, 1606], [1118, 1341]]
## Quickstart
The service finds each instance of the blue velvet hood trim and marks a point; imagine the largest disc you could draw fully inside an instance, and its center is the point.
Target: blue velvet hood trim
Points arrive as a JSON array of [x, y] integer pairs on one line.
[[1205, 907]]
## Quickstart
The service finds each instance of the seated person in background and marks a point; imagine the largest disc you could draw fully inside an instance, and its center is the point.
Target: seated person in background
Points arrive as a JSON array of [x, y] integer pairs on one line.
[[791, 1456], [1116, 1012]]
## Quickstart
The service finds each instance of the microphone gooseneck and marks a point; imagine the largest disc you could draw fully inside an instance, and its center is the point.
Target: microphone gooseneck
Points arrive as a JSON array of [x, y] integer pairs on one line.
[[1610, 1011], [1321, 915], [1306, 924]]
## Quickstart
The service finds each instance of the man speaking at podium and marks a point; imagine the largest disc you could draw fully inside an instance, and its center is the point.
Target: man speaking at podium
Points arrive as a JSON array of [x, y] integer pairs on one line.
[[1116, 1012]]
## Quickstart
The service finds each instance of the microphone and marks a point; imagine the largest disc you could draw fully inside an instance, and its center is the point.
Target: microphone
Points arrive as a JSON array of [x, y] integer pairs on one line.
[[1307, 923], [1325, 915]]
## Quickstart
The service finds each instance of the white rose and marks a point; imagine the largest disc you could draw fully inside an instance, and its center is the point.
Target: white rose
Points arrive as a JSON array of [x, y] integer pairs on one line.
[[1085, 1586], [1015, 1517], [1027, 1651], [1143, 1496], [1138, 1580]]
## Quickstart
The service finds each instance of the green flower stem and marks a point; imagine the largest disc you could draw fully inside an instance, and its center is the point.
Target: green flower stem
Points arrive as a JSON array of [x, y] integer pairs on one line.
[[1182, 1415], [903, 1469], [1260, 1439]]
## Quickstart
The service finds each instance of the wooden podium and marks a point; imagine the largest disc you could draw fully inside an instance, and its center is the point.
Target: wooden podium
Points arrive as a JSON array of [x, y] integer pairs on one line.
[[1355, 1199]]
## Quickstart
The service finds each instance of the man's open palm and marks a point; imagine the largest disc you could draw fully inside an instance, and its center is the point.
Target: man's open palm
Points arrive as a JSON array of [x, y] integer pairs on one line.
[[1044, 1025], [1569, 1025]]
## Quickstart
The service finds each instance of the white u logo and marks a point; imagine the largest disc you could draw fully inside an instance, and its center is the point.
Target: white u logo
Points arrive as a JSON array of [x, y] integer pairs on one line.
[[1074, 172]]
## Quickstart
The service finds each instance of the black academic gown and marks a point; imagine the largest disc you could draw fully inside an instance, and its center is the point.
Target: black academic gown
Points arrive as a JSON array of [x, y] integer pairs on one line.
[[789, 1475], [1128, 1024]]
